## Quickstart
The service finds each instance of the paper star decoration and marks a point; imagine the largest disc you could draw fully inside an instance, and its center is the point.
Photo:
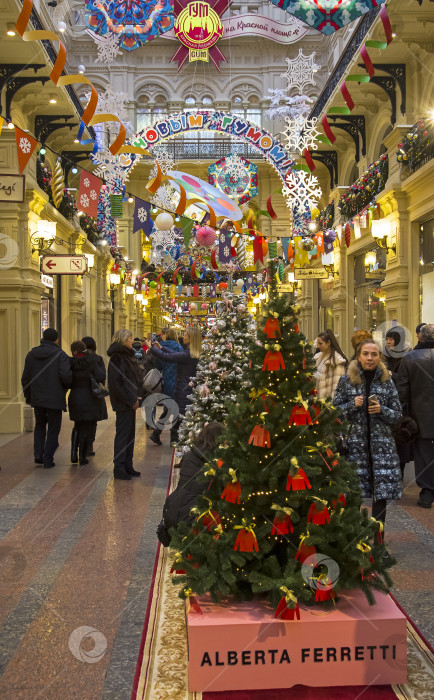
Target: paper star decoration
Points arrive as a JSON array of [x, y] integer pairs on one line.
[[165, 160], [300, 133], [300, 72], [302, 191], [109, 168], [166, 197]]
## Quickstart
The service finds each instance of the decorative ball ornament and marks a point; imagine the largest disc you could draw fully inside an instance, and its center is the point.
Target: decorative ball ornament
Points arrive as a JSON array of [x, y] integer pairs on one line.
[[164, 221], [222, 285], [152, 284], [307, 243], [206, 236], [240, 283], [57, 184]]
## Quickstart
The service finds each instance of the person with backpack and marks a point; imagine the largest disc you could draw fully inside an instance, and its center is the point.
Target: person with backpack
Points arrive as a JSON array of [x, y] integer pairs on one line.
[[45, 380], [179, 503], [169, 371], [138, 349]]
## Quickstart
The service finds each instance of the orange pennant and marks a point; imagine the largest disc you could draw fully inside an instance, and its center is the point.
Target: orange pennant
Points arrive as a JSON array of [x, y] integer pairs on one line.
[[26, 144]]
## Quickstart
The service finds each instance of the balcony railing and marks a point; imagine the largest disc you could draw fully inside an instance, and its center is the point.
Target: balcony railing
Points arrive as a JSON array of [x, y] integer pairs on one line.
[[417, 148], [353, 47], [210, 149]]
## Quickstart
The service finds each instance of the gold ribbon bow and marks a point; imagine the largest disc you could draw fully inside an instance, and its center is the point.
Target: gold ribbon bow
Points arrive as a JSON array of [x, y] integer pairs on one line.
[[218, 529], [289, 596], [210, 472], [294, 462], [177, 559], [247, 527], [233, 475], [379, 523], [284, 509], [256, 393], [320, 500], [188, 592], [301, 400], [365, 548]]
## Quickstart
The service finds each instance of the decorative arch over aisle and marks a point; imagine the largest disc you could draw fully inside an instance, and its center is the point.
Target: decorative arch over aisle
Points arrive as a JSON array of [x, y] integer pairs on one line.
[[220, 122]]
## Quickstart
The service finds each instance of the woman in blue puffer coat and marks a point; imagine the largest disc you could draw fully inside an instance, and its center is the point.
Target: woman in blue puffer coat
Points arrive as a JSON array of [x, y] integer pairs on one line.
[[169, 370], [370, 402]]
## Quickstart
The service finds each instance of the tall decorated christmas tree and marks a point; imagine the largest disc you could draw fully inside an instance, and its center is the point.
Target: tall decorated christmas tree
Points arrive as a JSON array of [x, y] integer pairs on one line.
[[280, 514], [222, 368]]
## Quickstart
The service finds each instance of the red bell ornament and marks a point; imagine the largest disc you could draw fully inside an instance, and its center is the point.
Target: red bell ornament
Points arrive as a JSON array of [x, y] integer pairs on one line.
[[260, 437], [232, 492], [282, 525], [298, 482], [299, 416], [318, 514], [246, 541]]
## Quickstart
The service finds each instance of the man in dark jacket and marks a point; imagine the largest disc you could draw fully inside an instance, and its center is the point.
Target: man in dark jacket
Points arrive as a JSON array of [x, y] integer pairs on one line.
[[418, 335], [46, 377], [415, 384]]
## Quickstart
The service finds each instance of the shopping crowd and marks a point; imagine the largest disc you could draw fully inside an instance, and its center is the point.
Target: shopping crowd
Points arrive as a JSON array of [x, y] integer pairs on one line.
[[385, 393]]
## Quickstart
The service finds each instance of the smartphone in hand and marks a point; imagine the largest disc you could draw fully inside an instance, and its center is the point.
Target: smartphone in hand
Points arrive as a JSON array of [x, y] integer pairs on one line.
[[372, 399]]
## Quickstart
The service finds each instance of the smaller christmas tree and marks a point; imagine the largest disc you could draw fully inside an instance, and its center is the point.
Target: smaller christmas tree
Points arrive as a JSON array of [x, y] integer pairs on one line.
[[280, 514], [222, 368]]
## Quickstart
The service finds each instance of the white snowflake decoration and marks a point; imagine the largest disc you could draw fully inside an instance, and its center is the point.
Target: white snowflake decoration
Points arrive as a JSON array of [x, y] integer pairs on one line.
[[284, 106], [109, 168], [300, 72], [107, 47], [165, 197], [25, 145], [226, 251], [161, 240], [300, 133], [84, 200], [92, 194], [164, 159], [249, 261], [142, 215], [235, 167], [302, 191], [86, 182]]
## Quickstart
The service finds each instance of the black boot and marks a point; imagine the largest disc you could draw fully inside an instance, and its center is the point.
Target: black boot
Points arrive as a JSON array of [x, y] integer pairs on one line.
[[132, 471], [155, 437], [121, 473], [74, 446], [82, 449], [90, 451]]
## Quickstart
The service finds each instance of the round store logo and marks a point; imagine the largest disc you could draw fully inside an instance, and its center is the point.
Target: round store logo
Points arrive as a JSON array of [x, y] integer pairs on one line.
[[168, 411], [87, 644], [198, 26], [314, 561], [9, 252]]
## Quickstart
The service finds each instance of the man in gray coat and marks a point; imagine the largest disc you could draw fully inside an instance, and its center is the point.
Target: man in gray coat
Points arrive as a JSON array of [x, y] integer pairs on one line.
[[46, 378], [415, 384]]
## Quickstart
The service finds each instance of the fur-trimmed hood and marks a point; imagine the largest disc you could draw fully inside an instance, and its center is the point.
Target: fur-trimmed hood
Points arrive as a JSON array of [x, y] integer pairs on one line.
[[355, 372]]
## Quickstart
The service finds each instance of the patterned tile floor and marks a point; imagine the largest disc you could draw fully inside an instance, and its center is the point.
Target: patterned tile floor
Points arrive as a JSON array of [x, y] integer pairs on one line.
[[77, 552]]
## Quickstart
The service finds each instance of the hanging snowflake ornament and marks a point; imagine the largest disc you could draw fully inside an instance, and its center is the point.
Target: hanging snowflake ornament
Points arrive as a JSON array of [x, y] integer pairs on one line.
[[300, 133], [166, 197], [165, 160], [302, 190], [107, 47], [109, 168], [284, 106], [235, 166], [300, 72]]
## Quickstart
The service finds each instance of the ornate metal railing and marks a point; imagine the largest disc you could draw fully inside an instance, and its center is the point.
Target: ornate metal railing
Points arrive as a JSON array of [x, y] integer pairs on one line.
[[417, 148], [353, 46], [209, 149]]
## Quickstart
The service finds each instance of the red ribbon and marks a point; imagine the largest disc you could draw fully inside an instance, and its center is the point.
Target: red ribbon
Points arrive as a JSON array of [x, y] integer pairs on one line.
[[386, 24], [270, 209], [309, 160], [347, 97], [367, 61], [327, 130]]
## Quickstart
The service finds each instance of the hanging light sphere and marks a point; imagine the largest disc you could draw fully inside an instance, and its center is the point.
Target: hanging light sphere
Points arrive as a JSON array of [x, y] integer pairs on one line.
[[205, 236], [222, 286], [164, 221], [240, 283], [307, 243], [152, 284]]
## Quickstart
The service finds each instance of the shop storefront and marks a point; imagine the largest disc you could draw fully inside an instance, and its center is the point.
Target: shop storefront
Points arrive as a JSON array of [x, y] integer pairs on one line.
[[427, 271], [369, 299]]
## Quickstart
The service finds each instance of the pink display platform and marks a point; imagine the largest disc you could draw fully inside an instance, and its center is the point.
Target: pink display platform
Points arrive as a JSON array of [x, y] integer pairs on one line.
[[243, 647]]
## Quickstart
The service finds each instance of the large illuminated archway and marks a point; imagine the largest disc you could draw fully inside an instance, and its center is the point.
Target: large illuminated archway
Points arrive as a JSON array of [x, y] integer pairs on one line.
[[222, 123]]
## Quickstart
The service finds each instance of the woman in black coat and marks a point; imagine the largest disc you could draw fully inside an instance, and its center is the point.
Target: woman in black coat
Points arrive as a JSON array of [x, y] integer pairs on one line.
[[84, 408], [102, 414], [125, 381], [187, 366], [179, 503]]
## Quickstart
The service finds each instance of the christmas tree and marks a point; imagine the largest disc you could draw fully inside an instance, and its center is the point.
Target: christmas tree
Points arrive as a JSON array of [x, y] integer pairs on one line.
[[222, 368], [281, 515]]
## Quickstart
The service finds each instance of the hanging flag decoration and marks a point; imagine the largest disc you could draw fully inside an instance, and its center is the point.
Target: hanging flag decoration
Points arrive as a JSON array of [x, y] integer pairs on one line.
[[258, 251], [235, 176], [88, 192], [224, 247], [198, 27], [142, 217], [26, 144], [327, 17], [272, 249]]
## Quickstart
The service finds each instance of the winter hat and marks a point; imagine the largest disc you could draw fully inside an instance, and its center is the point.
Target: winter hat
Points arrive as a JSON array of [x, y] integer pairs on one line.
[[50, 334], [89, 342]]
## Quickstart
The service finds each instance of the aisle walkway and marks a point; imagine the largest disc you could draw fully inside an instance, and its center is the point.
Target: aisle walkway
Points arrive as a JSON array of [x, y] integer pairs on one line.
[[78, 549]]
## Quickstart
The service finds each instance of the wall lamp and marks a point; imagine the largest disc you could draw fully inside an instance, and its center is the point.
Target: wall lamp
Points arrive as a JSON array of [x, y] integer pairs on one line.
[[43, 236], [381, 230]]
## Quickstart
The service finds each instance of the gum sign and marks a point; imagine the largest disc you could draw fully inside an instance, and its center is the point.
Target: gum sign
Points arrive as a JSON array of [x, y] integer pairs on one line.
[[222, 123]]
